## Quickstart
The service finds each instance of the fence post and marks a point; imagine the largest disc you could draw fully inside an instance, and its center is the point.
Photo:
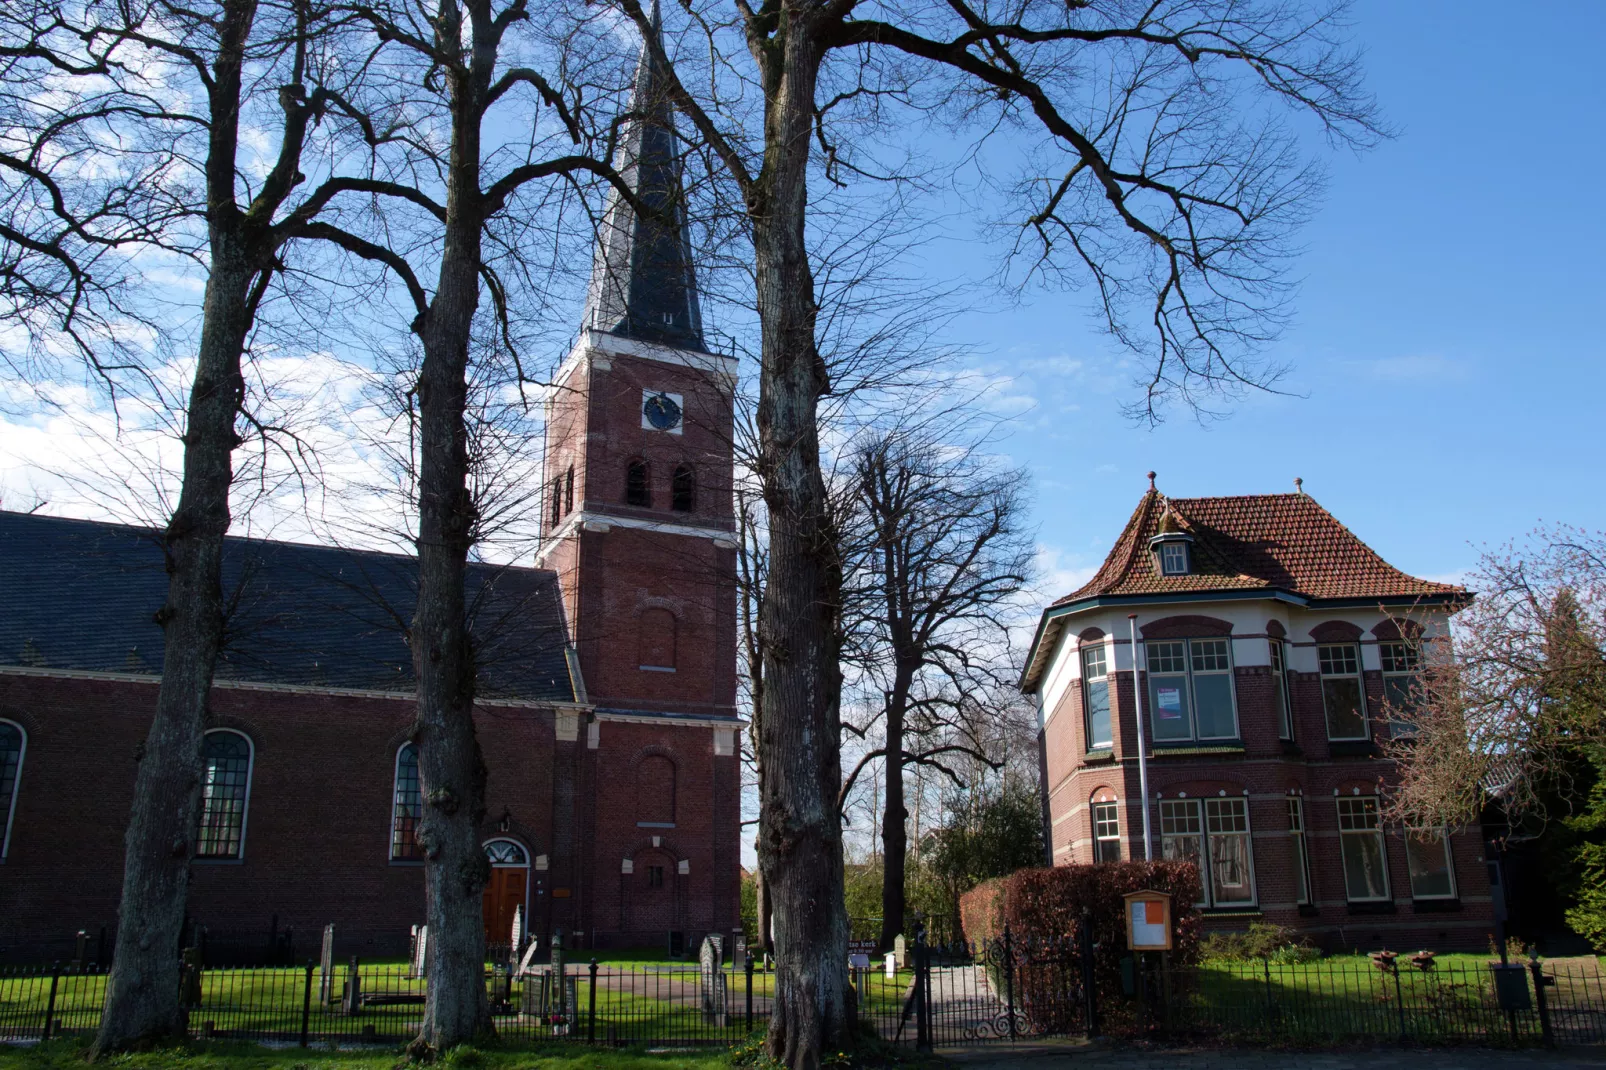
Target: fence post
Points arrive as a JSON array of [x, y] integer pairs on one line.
[[1399, 998], [1539, 1002], [1009, 981], [1271, 1007], [306, 1005], [749, 993], [1088, 993], [591, 1016], [50, 1005], [922, 991]]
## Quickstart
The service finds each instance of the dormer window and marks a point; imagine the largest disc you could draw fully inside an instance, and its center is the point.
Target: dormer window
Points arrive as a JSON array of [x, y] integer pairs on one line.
[[1174, 558]]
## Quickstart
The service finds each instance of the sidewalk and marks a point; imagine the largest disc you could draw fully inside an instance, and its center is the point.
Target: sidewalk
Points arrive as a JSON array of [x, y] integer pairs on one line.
[[1074, 1056]]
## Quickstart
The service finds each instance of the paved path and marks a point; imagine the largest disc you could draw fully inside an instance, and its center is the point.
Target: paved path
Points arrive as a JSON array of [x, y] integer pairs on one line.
[[1061, 1057]]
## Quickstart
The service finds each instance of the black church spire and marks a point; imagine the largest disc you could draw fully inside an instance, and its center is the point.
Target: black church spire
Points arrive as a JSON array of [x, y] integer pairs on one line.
[[642, 282]]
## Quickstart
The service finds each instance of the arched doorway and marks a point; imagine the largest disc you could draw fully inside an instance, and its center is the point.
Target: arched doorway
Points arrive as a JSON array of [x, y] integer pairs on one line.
[[507, 890]]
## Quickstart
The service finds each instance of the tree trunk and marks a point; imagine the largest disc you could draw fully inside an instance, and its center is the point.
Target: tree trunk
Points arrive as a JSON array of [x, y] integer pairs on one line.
[[894, 834], [800, 847], [142, 992], [450, 767]]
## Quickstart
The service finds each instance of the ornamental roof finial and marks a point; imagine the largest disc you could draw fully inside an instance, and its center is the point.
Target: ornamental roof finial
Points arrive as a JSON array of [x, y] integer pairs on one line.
[[1151, 480], [1299, 485]]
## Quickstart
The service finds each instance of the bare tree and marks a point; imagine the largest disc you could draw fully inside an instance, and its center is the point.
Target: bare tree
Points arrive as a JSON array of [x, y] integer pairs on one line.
[[1519, 695], [942, 557], [1173, 196]]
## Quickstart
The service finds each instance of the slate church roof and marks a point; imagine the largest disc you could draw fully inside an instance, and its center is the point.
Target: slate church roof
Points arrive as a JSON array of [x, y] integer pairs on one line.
[[643, 285], [81, 596]]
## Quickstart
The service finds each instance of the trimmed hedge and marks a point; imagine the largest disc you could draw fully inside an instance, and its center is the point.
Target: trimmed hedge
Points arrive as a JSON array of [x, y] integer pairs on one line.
[[1043, 907]]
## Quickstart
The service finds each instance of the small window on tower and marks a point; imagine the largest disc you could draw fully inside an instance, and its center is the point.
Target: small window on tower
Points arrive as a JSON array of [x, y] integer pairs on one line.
[[683, 490], [568, 491], [655, 876], [555, 503], [638, 489]]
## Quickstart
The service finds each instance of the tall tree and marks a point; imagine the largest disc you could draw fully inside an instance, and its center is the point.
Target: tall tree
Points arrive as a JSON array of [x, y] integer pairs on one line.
[[942, 555], [184, 85], [1174, 192]]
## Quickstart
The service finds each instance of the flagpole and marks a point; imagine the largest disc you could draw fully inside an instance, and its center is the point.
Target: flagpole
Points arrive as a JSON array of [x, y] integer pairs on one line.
[[1143, 747]]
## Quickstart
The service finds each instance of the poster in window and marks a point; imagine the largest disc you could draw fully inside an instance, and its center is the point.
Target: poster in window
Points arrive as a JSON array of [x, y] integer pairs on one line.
[[1170, 703]]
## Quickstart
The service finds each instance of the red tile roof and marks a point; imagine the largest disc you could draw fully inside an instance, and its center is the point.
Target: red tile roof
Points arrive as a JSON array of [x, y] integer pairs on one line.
[[1254, 541]]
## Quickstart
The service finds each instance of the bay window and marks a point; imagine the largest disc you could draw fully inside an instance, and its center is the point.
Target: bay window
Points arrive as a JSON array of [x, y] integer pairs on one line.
[[1360, 837], [1214, 835], [1191, 690], [1096, 697], [1427, 855], [1342, 694]]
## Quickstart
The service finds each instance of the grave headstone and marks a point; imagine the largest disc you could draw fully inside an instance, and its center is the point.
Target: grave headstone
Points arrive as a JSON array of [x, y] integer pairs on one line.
[[419, 959], [351, 1002], [516, 938], [891, 965], [80, 957], [527, 963], [712, 986], [900, 948], [558, 1003], [326, 966], [190, 987], [738, 951]]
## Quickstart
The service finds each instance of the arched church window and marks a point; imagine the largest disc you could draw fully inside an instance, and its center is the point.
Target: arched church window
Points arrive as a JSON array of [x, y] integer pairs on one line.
[[657, 639], [13, 742], [683, 489], [506, 853], [225, 789], [655, 792], [568, 491], [638, 488], [407, 807], [554, 504]]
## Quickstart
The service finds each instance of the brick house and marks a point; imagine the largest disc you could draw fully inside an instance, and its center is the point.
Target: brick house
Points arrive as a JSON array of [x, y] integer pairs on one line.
[[607, 692], [1275, 650]]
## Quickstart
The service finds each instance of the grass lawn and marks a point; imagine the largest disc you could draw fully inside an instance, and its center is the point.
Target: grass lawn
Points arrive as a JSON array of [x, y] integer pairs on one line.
[[65, 1055]]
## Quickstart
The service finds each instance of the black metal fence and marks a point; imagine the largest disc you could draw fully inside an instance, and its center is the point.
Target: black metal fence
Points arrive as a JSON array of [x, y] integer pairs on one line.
[[1007, 991]]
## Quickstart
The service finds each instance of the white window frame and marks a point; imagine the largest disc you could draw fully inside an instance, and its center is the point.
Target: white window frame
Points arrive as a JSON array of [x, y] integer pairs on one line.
[[1102, 827], [1359, 676], [1449, 862], [390, 825], [1099, 651], [16, 789], [1301, 844], [1174, 558], [1197, 815], [245, 804], [1390, 655], [1189, 659], [1376, 830], [1278, 651]]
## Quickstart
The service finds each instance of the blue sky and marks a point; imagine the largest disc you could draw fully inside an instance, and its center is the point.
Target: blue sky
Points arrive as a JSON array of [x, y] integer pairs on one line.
[[1446, 353]]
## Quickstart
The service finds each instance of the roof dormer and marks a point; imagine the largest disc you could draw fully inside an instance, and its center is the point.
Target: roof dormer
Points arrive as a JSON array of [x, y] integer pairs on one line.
[[1171, 546]]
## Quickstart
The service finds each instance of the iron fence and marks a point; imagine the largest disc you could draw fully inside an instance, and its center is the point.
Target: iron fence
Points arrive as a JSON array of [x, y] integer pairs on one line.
[[1005, 991]]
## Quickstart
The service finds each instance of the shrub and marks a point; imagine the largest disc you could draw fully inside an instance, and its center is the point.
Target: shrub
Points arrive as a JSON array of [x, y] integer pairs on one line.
[[1264, 940], [1043, 907]]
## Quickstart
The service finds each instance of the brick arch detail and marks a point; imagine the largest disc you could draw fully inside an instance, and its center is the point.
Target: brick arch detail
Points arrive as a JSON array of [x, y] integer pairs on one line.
[[29, 723], [1090, 635], [1336, 631], [517, 831], [665, 844], [396, 740], [1403, 628], [245, 727], [1275, 629], [1185, 626], [1104, 793], [655, 749]]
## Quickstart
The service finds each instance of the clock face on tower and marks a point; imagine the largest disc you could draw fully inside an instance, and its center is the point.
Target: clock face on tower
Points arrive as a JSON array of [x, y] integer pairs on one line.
[[660, 411]]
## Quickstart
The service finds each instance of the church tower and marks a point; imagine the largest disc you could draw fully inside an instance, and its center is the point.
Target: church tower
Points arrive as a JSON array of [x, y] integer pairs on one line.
[[639, 527]]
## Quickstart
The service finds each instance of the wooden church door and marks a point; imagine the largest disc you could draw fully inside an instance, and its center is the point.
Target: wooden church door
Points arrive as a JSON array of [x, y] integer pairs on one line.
[[505, 891]]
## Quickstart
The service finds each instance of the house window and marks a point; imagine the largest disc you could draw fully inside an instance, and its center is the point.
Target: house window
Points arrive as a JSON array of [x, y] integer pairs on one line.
[[1402, 685], [1218, 845], [1360, 835], [225, 787], [1174, 558], [1296, 833], [638, 490], [655, 876], [555, 504], [568, 491], [683, 489], [1106, 832], [13, 742], [1427, 855], [1096, 696], [407, 808], [1191, 690], [1282, 697], [1342, 695]]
